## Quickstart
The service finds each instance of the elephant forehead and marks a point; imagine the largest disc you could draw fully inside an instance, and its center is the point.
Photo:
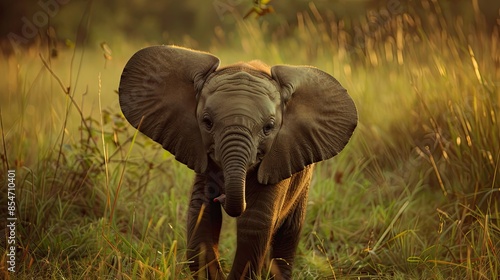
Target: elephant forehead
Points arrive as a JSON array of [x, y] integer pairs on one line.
[[225, 104], [241, 81]]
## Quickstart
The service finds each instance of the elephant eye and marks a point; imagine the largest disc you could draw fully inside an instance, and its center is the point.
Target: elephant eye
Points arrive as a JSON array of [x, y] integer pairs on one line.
[[207, 122], [268, 128]]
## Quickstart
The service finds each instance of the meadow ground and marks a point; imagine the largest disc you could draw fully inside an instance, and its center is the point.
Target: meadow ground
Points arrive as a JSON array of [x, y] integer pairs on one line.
[[415, 194]]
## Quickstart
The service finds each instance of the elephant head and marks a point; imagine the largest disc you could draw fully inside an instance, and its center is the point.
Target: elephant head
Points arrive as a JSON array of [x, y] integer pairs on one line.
[[274, 121]]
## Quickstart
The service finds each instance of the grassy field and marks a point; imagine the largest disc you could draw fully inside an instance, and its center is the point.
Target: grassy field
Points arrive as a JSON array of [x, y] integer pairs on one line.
[[415, 195]]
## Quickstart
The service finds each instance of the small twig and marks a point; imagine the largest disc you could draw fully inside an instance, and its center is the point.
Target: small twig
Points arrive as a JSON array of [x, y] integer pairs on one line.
[[6, 161], [66, 91], [64, 88]]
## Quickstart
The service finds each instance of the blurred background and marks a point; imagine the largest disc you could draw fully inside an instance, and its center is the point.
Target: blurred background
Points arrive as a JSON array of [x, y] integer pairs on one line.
[[204, 23]]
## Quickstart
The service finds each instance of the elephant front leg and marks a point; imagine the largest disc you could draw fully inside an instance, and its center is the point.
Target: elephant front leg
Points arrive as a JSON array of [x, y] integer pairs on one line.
[[286, 240], [203, 229], [253, 240], [254, 231]]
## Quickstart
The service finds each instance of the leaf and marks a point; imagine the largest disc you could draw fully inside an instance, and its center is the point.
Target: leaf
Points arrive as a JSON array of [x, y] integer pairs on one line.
[[260, 8]]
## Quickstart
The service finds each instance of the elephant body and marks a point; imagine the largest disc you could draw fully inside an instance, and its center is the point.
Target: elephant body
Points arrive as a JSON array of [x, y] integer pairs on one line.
[[273, 219], [252, 134]]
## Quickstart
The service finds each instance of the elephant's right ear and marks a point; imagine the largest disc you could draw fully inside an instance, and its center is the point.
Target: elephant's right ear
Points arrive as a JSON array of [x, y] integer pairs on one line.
[[158, 89]]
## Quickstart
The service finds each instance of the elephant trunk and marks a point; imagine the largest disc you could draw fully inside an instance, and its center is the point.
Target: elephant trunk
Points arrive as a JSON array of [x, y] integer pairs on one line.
[[235, 155]]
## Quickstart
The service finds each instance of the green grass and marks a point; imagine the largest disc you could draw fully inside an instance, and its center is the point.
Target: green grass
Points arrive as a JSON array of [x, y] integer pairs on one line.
[[415, 195]]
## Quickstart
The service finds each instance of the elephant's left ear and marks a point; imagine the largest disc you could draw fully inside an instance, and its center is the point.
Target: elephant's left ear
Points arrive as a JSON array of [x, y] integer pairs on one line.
[[319, 118]]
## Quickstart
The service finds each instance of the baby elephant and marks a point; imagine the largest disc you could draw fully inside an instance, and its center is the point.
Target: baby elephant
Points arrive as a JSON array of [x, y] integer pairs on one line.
[[251, 133]]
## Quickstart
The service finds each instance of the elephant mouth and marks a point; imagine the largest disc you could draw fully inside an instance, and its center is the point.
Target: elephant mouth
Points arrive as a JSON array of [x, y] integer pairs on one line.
[[221, 198]]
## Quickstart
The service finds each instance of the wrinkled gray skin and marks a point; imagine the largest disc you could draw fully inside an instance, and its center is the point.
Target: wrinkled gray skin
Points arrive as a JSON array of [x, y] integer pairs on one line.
[[252, 135]]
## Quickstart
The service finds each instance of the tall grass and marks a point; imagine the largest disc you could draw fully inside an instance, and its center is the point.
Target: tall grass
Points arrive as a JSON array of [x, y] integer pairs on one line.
[[415, 195]]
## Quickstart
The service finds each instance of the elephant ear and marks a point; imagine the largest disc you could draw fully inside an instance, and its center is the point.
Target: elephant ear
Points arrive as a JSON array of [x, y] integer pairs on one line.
[[158, 95], [319, 118]]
